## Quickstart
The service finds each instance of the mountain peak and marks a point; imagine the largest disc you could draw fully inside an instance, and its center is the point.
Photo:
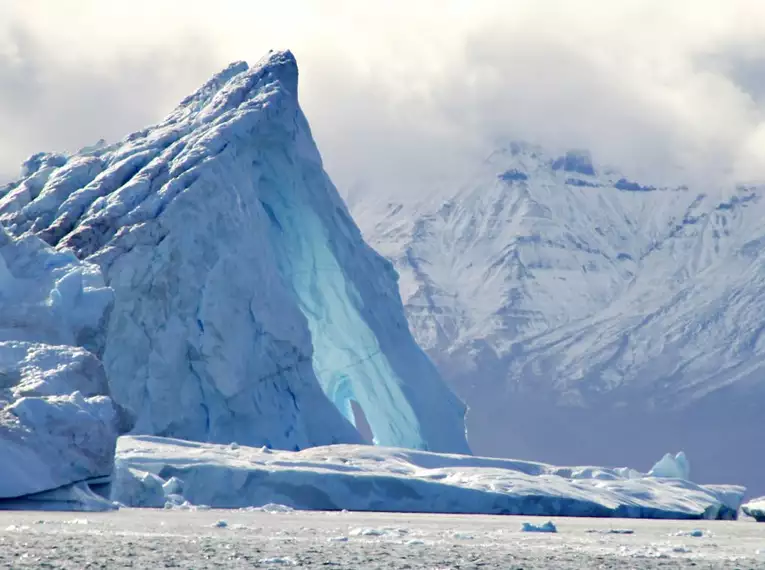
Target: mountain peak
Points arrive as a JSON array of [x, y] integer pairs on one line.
[[593, 300], [575, 161]]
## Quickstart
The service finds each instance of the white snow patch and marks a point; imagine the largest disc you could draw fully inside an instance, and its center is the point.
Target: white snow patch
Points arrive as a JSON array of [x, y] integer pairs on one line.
[[367, 532]]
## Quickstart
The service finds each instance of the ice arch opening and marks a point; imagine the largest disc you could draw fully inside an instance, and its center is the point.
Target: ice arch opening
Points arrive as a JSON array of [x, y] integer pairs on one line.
[[339, 388], [361, 423], [347, 358]]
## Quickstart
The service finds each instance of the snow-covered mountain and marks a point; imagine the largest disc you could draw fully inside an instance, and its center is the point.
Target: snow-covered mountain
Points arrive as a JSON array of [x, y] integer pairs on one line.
[[247, 306], [585, 317]]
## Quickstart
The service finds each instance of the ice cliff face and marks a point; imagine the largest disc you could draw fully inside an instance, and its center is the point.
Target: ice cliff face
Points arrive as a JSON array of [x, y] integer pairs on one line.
[[57, 426], [586, 317], [247, 306]]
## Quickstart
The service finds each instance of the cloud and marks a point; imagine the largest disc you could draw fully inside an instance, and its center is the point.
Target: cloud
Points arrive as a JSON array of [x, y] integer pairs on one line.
[[402, 95], [50, 104]]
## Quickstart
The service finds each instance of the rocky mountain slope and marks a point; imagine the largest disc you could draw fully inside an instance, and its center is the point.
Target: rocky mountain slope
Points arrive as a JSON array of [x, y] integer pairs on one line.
[[586, 317]]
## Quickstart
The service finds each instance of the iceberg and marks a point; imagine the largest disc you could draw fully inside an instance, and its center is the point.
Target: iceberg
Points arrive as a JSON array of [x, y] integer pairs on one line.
[[755, 509], [247, 307], [153, 471], [57, 424], [668, 466]]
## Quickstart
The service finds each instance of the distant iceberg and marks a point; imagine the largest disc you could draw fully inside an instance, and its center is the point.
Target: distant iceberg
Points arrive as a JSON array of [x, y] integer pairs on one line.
[[671, 466]]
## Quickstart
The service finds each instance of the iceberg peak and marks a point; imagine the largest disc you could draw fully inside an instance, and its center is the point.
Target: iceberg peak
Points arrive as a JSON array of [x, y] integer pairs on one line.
[[672, 467], [247, 306]]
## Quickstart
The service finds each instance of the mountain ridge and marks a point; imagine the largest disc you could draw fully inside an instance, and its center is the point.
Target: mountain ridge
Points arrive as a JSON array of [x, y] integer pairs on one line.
[[548, 289]]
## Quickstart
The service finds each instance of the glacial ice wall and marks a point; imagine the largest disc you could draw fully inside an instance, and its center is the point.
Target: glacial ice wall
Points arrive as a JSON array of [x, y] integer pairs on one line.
[[57, 424], [247, 306]]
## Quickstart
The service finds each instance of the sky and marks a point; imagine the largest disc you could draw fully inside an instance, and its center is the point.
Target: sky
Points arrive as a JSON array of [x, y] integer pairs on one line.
[[409, 95]]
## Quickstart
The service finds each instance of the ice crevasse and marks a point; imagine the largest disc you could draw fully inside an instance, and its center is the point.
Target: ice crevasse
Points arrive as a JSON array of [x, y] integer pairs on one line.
[[247, 306]]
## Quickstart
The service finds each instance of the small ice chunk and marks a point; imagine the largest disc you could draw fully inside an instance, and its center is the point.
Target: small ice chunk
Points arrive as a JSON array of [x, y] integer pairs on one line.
[[282, 560], [276, 508], [367, 532], [338, 539], [173, 486], [696, 533], [414, 542], [462, 536], [16, 528], [546, 527], [220, 524], [273, 508], [181, 505]]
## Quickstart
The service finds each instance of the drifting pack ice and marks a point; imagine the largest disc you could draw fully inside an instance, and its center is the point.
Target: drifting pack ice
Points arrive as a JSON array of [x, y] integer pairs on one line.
[[244, 304]]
